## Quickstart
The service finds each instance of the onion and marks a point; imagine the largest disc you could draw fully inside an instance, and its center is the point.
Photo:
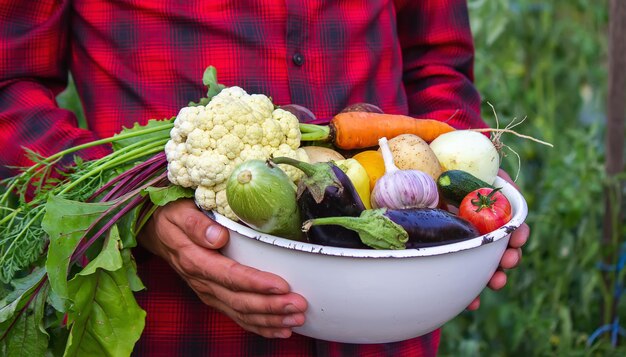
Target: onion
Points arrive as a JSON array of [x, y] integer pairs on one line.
[[469, 151], [402, 189]]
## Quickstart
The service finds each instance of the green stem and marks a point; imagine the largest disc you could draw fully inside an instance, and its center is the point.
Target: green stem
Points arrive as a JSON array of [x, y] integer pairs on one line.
[[373, 227], [125, 157], [319, 176], [145, 219], [102, 141], [10, 216], [131, 147], [309, 169], [54, 157], [9, 188], [313, 132]]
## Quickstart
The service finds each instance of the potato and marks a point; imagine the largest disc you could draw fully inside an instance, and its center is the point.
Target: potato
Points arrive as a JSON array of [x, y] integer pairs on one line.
[[410, 152], [322, 154]]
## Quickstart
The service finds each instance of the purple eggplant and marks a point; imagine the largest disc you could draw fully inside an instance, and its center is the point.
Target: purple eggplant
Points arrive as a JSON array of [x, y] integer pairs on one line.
[[385, 228], [326, 191]]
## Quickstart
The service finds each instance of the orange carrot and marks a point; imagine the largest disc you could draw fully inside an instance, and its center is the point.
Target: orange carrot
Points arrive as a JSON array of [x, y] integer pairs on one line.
[[355, 130]]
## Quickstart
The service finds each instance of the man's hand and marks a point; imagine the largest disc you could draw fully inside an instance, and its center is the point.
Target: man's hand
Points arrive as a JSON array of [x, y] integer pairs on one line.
[[188, 240], [512, 255]]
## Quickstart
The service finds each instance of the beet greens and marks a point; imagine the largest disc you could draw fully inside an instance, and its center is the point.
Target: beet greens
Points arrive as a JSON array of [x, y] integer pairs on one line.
[[66, 239]]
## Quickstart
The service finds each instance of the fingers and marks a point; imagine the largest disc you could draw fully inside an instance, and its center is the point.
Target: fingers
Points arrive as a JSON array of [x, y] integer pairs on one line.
[[520, 236], [511, 258], [474, 305], [269, 326], [258, 301], [271, 316], [498, 280], [266, 325], [513, 254], [211, 266], [256, 309], [196, 225], [267, 315]]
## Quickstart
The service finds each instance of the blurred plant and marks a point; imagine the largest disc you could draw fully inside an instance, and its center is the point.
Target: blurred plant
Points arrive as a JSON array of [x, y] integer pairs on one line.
[[613, 328], [546, 61]]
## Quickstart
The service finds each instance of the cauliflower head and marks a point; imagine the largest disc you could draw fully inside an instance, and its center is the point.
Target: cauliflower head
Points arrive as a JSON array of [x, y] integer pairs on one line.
[[208, 142]]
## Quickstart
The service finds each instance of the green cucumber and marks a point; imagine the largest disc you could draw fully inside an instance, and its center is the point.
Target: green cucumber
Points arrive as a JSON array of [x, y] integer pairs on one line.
[[454, 185]]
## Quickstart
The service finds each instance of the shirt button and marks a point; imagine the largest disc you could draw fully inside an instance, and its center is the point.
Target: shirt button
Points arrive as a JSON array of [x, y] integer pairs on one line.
[[298, 59]]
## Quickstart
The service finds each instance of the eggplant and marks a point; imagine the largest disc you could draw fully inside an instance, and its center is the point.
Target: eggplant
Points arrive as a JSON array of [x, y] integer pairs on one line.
[[384, 228], [326, 191], [432, 226]]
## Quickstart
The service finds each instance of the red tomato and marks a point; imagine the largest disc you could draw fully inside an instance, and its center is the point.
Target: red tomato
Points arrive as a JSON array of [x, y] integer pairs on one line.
[[486, 208]]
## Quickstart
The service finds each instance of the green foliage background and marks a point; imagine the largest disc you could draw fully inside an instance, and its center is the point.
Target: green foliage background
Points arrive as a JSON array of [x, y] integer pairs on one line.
[[544, 61]]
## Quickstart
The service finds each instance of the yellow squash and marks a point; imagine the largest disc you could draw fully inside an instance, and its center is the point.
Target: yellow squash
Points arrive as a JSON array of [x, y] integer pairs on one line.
[[359, 178]]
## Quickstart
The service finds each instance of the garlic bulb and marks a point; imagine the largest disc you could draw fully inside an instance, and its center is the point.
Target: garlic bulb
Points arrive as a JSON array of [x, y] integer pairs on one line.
[[402, 189]]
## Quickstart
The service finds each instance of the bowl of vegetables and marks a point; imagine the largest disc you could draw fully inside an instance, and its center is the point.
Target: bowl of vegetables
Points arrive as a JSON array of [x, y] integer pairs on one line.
[[378, 295]]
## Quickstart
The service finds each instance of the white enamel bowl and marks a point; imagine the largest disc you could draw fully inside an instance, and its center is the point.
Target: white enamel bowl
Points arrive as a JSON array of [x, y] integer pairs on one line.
[[375, 296]]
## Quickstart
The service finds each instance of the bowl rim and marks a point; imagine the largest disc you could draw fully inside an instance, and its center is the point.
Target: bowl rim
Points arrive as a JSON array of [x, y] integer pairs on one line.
[[518, 203]]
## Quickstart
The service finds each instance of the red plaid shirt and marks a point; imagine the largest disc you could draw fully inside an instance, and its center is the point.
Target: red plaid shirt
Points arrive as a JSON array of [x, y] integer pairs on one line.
[[133, 60]]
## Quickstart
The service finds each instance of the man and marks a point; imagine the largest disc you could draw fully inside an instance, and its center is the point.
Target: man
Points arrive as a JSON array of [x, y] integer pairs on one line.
[[136, 60]]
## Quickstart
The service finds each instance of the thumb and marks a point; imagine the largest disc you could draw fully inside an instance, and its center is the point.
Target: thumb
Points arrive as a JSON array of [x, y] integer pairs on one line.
[[216, 235], [199, 228]]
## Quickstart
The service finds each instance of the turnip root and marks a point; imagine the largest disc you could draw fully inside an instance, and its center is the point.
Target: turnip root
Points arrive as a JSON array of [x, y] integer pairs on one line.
[[469, 151]]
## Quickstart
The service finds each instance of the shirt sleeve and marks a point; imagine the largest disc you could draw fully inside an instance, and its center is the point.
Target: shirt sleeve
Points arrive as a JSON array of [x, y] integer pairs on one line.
[[438, 60], [33, 70]]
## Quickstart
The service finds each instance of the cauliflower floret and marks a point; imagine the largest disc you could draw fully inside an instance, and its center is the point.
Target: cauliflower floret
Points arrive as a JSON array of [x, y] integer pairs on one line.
[[222, 119], [239, 130], [289, 126], [237, 106], [218, 132], [254, 152], [177, 174], [302, 155], [299, 154], [222, 205], [199, 141], [205, 197], [254, 134], [261, 103], [177, 135], [203, 120], [229, 145], [209, 168], [175, 150], [272, 133], [185, 120], [208, 142]]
